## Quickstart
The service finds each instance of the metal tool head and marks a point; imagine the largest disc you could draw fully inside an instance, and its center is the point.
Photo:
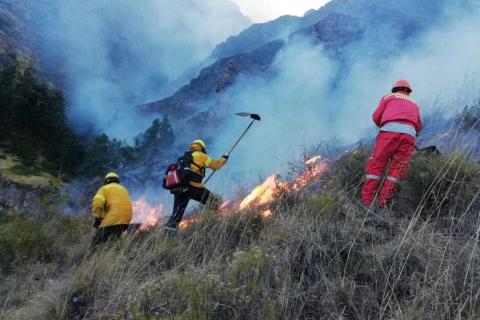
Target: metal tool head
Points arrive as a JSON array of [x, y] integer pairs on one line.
[[253, 116]]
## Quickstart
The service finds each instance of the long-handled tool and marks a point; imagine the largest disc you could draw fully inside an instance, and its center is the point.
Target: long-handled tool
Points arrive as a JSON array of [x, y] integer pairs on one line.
[[254, 117]]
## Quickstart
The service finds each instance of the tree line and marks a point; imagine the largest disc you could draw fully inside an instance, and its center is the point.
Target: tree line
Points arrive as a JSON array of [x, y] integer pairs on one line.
[[34, 127]]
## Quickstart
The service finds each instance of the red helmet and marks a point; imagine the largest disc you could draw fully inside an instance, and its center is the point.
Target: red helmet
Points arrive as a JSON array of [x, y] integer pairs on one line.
[[402, 85]]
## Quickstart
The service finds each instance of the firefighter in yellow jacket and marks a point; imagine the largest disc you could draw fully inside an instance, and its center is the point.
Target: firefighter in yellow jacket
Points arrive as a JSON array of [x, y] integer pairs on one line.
[[112, 210], [196, 189]]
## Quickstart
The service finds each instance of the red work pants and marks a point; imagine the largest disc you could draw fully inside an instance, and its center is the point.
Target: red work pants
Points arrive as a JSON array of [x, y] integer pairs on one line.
[[397, 147]]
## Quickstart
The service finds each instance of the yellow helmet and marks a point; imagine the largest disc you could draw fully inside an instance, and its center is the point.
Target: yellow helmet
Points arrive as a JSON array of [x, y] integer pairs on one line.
[[112, 175], [200, 143]]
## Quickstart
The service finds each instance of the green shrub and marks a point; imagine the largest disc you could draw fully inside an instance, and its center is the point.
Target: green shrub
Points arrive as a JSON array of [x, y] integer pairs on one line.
[[25, 150], [248, 269], [235, 230], [23, 240], [204, 296], [27, 240], [440, 185], [24, 170], [324, 204], [347, 172]]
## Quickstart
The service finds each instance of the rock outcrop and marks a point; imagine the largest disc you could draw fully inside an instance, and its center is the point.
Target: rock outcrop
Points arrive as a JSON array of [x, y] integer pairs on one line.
[[22, 198]]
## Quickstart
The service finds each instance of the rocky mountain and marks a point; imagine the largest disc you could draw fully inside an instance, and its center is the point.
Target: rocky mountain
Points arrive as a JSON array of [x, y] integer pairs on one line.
[[400, 15], [334, 27], [21, 198], [107, 57], [12, 35], [256, 36], [346, 29], [334, 32], [322, 69], [216, 78]]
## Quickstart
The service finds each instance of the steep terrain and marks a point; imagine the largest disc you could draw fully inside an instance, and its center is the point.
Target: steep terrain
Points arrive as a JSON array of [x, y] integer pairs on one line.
[[349, 31], [319, 255], [333, 32], [23, 188], [397, 15], [307, 250], [216, 78], [12, 35]]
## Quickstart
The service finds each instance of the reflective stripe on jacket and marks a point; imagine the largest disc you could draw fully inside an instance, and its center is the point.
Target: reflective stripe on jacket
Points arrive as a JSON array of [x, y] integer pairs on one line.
[[399, 108], [399, 128], [112, 205]]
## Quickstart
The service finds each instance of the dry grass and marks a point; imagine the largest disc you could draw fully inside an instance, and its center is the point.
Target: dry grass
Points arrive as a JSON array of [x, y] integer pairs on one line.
[[321, 256], [11, 169]]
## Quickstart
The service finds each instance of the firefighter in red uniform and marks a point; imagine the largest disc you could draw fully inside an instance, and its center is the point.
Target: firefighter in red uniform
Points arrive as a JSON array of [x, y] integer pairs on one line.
[[398, 118]]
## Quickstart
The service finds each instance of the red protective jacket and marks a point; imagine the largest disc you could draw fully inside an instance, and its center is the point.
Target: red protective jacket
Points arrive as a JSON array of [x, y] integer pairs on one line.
[[398, 107]]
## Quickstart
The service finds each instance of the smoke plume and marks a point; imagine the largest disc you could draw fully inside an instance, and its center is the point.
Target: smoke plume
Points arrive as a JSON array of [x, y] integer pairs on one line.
[[316, 97], [111, 55]]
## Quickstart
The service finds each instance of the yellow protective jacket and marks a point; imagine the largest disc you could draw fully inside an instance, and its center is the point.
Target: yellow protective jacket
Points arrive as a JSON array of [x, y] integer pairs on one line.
[[112, 205], [202, 161]]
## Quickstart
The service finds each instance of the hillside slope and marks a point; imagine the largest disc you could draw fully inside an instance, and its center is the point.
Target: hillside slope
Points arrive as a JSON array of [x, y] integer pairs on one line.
[[319, 256], [12, 35]]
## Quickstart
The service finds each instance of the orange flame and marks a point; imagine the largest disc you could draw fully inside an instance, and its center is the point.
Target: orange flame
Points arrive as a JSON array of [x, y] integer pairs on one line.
[[186, 222], [268, 191], [225, 206], [262, 194], [312, 160], [314, 169], [146, 215], [266, 214]]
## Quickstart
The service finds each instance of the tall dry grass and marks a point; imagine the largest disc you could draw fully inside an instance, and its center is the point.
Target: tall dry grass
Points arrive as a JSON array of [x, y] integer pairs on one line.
[[320, 256]]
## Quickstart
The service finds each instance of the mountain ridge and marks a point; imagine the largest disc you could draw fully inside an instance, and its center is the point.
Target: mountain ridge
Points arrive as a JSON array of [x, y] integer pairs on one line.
[[333, 27]]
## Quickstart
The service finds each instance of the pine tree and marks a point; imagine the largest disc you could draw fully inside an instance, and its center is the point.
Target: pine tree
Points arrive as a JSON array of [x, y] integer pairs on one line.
[[158, 137]]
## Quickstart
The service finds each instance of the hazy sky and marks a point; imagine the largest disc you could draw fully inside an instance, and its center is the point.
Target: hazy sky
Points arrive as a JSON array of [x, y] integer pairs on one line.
[[264, 10]]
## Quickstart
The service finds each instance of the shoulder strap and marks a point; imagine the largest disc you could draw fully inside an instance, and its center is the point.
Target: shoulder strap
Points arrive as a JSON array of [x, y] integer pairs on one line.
[[201, 169], [190, 155]]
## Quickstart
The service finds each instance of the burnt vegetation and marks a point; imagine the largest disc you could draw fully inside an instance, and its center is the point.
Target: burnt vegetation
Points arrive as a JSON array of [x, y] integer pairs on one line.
[[319, 256]]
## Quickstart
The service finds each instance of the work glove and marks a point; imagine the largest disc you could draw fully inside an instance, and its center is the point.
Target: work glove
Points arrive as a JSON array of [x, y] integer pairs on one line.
[[226, 156], [97, 223]]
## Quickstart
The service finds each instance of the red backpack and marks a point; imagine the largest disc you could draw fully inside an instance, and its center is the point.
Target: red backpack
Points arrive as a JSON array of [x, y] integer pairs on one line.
[[180, 174]]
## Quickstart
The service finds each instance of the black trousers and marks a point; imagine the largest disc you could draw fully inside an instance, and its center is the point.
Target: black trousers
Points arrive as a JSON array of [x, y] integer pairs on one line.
[[105, 234], [181, 200]]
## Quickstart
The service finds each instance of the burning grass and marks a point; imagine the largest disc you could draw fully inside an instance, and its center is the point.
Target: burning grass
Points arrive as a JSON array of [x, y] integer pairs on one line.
[[145, 216], [289, 254], [269, 192]]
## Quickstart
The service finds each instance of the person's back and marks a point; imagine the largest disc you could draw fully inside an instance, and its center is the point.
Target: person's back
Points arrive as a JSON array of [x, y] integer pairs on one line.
[[117, 206], [196, 189], [398, 118], [398, 108], [200, 162], [112, 209]]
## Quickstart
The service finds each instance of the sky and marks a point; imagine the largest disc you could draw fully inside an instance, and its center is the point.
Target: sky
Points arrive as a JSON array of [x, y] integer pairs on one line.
[[265, 10]]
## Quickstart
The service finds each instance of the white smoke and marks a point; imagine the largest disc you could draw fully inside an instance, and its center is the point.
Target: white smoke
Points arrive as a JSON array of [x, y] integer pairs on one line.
[[307, 102], [115, 54]]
